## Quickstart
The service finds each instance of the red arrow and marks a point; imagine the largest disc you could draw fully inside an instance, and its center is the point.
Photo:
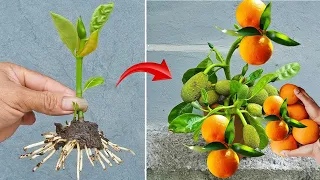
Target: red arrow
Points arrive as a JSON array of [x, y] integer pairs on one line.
[[160, 71]]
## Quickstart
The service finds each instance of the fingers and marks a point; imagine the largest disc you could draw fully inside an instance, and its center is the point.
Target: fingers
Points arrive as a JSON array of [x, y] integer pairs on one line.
[[303, 151], [310, 105], [39, 82], [50, 103], [28, 119], [9, 131]]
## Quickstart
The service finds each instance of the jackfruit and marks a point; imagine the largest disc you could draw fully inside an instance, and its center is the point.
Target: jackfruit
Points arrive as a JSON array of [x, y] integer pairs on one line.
[[254, 109], [213, 97], [258, 98], [271, 90], [243, 92], [191, 90], [250, 136], [223, 87]]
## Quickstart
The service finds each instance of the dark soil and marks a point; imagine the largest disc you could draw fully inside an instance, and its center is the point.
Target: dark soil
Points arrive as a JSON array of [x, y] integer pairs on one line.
[[85, 132]]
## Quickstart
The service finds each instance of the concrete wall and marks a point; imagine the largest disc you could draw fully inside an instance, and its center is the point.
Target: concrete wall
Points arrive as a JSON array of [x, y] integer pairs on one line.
[[178, 31], [28, 38]]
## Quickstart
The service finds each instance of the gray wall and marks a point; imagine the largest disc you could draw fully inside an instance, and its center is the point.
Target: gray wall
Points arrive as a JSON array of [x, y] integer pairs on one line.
[[28, 38], [179, 30]]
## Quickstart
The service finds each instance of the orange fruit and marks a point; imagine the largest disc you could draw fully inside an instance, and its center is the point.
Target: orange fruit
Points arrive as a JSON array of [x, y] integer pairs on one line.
[[287, 144], [223, 163], [213, 128], [287, 91], [297, 111], [272, 104], [277, 130], [307, 135], [255, 50], [248, 13]]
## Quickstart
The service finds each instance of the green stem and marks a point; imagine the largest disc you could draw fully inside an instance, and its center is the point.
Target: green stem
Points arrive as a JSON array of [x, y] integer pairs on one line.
[[228, 59], [79, 63], [243, 120], [218, 109], [206, 71]]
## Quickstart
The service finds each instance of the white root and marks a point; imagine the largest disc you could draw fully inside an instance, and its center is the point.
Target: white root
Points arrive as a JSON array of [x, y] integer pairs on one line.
[[44, 160], [81, 160], [58, 165], [114, 157], [49, 133], [33, 145], [78, 162], [126, 149], [99, 158], [89, 155], [104, 158]]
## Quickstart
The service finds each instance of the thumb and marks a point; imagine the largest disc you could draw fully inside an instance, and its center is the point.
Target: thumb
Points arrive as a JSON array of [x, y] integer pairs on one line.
[[310, 105], [51, 103], [303, 151]]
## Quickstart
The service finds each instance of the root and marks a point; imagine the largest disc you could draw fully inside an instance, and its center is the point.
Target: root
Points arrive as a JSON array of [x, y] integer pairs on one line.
[[53, 141]]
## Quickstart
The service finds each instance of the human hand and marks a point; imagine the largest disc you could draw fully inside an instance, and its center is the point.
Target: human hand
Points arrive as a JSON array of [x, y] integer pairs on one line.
[[23, 91], [310, 150]]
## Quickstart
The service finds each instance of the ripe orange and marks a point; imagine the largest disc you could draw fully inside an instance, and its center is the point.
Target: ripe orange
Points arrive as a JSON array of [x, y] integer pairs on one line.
[[272, 104], [287, 91], [213, 128], [223, 163], [287, 144], [277, 130], [249, 12], [297, 112], [307, 135], [255, 50]]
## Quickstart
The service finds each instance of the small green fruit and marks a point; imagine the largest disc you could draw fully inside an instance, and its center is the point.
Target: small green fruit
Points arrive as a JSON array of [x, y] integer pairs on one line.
[[223, 87], [254, 109], [250, 136], [258, 98], [243, 92], [271, 90], [191, 90], [213, 97]]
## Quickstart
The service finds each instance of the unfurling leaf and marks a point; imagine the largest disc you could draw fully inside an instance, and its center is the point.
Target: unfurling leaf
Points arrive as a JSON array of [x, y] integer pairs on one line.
[[245, 69], [92, 82], [265, 19], [288, 71], [66, 30], [91, 44], [81, 29], [181, 108], [281, 38], [100, 16]]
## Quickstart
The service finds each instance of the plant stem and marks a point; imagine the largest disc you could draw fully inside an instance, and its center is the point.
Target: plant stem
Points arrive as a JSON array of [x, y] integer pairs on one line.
[[206, 71], [228, 59], [243, 120], [79, 62], [218, 109]]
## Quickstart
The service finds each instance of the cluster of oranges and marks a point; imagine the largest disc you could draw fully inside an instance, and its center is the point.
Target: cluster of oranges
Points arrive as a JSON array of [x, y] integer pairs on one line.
[[255, 50], [282, 136]]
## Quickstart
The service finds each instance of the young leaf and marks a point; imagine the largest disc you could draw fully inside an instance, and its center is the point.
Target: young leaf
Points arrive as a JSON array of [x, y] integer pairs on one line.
[[100, 16], [215, 146], [191, 72], [91, 44], [281, 38], [181, 108], [288, 71], [234, 87], [283, 108], [205, 63], [294, 123], [196, 105], [186, 123], [210, 45], [265, 19], [66, 30], [81, 29], [245, 69], [246, 150], [248, 31], [92, 82], [230, 132], [236, 26], [263, 81], [204, 96], [256, 123], [228, 32], [254, 76], [197, 148], [272, 118]]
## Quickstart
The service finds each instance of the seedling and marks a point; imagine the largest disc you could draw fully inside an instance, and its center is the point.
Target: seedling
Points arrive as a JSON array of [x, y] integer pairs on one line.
[[81, 135]]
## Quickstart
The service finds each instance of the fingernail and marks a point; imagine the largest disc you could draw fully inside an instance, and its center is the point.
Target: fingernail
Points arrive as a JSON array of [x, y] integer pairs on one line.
[[67, 103], [297, 91]]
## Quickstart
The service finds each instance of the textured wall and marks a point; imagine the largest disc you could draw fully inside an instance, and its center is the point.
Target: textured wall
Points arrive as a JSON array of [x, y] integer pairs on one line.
[[28, 38]]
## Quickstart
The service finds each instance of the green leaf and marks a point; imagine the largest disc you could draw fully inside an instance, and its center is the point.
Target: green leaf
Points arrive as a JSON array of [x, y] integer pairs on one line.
[[230, 132], [196, 105], [205, 63], [271, 118], [218, 56], [181, 108], [81, 29], [100, 16], [288, 71], [191, 72], [215, 146], [91, 45], [66, 30], [186, 123], [228, 32], [196, 134], [281, 38], [263, 81], [234, 87], [197, 148], [254, 76], [245, 69], [212, 77], [283, 108], [204, 96], [246, 150], [265, 19], [92, 82], [236, 26], [256, 123], [210, 45], [248, 31], [294, 123]]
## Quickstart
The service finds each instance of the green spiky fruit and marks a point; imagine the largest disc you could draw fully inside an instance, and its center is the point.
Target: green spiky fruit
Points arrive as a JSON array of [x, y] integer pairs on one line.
[[223, 87], [254, 109], [271, 90], [243, 92], [250, 136], [213, 97], [258, 98], [191, 90]]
